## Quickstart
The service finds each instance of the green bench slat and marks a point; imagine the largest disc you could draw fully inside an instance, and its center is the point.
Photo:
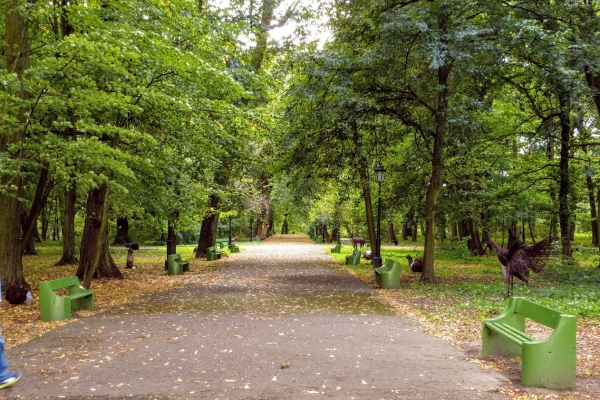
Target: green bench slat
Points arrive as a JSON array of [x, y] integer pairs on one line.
[[79, 295], [513, 334]]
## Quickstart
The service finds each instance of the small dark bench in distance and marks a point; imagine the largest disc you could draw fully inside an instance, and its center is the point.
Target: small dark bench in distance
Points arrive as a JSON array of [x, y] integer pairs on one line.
[[549, 362], [54, 307]]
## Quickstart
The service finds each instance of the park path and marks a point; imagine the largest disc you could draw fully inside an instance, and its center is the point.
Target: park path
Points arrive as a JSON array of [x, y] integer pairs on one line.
[[280, 320]]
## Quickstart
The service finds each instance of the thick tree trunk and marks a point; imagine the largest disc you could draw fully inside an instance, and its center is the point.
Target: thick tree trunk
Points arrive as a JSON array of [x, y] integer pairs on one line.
[[16, 58], [208, 229], [391, 233], [68, 253], [470, 230], [93, 233], [405, 231], [107, 268]]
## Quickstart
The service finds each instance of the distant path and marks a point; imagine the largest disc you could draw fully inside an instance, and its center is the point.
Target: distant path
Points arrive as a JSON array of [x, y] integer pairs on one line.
[[281, 320]]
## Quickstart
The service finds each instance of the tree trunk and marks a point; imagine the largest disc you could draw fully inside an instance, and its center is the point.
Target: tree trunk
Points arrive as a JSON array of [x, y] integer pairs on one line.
[[513, 235], [404, 231], [391, 233], [564, 187], [107, 268], [28, 245], [68, 253], [45, 222], [93, 233], [259, 226], [414, 230], [592, 200], [453, 231], [437, 160], [598, 213], [16, 58], [474, 244], [208, 230], [368, 205]]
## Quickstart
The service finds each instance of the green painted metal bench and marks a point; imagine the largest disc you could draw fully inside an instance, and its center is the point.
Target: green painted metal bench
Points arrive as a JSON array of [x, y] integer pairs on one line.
[[354, 258], [54, 307], [337, 248], [176, 265], [212, 254], [388, 275], [221, 242], [233, 248], [549, 362]]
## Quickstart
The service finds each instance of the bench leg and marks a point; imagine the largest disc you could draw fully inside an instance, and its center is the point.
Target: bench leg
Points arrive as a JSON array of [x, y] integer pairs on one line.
[[495, 344], [84, 303], [551, 363]]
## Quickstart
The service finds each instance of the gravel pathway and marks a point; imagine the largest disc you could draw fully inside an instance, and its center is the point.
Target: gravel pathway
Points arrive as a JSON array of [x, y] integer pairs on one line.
[[281, 320]]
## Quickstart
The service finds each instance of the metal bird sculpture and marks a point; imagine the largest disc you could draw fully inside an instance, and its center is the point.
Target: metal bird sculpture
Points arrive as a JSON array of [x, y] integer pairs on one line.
[[415, 265], [520, 258]]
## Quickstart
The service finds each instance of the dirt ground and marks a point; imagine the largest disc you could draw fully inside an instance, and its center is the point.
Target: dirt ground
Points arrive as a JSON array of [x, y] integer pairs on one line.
[[277, 321]]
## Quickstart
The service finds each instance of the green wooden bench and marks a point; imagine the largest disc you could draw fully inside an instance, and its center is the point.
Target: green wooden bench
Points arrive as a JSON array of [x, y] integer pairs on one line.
[[354, 258], [176, 265], [388, 275], [233, 248], [212, 254], [54, 307], [337, 248], [221, 242], [549, 362]]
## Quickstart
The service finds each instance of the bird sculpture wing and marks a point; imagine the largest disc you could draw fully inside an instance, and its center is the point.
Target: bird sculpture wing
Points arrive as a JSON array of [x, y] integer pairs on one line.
[[537, 254]]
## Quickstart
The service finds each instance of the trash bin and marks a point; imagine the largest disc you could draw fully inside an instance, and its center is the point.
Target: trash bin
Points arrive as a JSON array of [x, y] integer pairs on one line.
[[388, 275]]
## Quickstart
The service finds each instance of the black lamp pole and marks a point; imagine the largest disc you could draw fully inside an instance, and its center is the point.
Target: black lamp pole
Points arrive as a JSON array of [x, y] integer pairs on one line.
[[380, 177], [230, 229]]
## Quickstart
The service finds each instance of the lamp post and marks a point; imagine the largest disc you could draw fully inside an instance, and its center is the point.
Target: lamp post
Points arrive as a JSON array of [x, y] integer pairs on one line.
[[379, 177], [230, 230]]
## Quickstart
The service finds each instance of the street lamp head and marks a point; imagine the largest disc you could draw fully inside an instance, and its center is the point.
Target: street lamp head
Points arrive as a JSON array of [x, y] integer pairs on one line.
[[380, 173]]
